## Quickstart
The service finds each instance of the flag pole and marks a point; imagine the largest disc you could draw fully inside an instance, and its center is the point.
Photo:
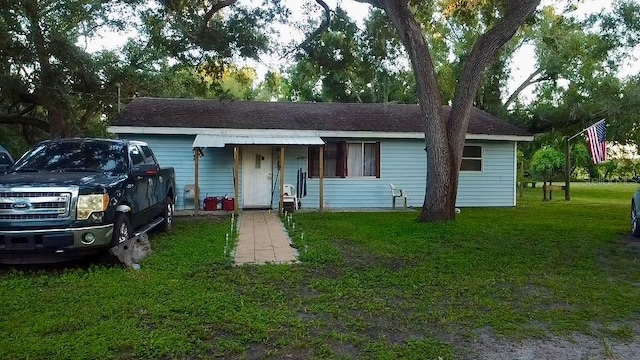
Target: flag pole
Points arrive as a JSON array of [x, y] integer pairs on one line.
[[567, 170], [583, 130]]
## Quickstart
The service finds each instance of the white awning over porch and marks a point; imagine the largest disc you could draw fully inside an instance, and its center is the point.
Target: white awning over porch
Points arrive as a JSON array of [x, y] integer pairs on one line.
[[259, 138]]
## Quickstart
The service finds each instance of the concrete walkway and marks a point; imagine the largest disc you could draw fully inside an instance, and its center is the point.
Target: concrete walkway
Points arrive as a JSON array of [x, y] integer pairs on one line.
[[262, 239]]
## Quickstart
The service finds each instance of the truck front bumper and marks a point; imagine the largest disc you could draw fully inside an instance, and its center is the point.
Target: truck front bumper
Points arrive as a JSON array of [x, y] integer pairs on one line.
[[56, 240]]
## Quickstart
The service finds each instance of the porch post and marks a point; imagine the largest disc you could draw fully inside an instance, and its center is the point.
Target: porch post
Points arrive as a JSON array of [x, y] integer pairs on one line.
[[281, 208], [321, 178], [196, 191], [567, 170], [236, 172]]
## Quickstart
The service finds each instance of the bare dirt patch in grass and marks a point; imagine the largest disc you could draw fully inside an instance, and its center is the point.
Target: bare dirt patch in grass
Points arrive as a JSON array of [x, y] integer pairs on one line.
[[577, 346], [354, 255]]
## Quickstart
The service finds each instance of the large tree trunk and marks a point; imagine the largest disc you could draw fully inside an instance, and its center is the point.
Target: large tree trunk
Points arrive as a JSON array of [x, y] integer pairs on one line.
[[445, 136], [439, 203]]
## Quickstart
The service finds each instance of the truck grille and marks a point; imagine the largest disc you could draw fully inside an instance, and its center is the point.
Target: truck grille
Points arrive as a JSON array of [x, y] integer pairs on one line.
[[19, 204]]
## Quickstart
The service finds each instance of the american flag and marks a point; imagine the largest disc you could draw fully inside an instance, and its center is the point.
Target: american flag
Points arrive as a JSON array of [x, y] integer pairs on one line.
[[597, 138]]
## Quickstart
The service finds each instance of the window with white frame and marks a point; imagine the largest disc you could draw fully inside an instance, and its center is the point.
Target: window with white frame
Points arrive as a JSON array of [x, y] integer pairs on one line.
[[471, 158], [346, 159]]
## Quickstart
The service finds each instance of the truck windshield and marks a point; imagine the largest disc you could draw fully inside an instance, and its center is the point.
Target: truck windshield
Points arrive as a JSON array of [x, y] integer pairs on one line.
[[81, 156]]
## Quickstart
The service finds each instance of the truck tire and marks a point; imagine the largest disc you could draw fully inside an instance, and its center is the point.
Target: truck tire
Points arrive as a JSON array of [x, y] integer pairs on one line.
[[635, 221], [168, 214], [121, 229]]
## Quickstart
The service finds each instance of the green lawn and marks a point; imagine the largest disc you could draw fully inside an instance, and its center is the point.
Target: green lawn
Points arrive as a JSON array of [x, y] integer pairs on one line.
[[370, 285]]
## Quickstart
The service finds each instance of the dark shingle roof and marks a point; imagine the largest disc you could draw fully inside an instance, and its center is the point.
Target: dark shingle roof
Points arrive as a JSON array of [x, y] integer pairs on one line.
[[197, 113]]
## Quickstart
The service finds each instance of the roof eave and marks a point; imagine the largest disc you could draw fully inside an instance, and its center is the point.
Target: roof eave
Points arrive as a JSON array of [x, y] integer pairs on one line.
[[283, 132]]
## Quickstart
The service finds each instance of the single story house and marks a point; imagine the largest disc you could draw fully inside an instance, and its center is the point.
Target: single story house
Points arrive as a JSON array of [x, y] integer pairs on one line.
[[339, 155]]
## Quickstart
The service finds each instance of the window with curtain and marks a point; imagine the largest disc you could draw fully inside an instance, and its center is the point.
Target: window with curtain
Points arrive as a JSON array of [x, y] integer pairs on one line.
[[471, 158], [346, 159], [355, 163]]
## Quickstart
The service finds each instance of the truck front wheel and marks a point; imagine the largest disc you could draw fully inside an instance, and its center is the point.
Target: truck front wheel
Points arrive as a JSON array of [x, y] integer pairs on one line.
[[121, 229]]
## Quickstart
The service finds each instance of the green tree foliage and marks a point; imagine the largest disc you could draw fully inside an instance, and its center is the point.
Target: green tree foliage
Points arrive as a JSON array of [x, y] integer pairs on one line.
[[234, 83], [580, 162], [328, 71], [274, 87], [209, 33], [580, 157], [547, 162], [577, 79], [50, 85], [347, 64], [180, 81], [53, 86]]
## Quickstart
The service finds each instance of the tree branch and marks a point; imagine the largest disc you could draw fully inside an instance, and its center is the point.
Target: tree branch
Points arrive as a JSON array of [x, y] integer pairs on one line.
[[32, 98], [529, 81], [214, 9], [306, 44], [483, 52], [26, 110], [374, 3], [24, 120], [31, 10]]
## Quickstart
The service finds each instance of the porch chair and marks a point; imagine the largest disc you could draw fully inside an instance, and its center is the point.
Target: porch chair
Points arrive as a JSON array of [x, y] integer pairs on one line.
[[397, 192], [190, 194], [290, 196]]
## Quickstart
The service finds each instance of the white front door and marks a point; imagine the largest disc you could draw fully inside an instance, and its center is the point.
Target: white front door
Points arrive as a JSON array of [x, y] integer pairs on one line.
[[256, 176]]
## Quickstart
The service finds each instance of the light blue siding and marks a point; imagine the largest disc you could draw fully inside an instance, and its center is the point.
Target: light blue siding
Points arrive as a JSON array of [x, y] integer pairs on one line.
[[403, 163], [495, 185]]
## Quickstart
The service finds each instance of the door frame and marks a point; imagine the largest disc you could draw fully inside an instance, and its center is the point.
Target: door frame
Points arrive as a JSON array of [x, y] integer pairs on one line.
[[250, 150]]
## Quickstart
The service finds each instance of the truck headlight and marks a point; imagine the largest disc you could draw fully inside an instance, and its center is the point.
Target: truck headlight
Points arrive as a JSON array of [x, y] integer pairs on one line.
[[88, 204]]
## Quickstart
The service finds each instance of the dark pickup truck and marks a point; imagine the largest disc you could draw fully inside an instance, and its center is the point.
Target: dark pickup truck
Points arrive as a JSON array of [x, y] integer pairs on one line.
[[68, 198], [5, 160]]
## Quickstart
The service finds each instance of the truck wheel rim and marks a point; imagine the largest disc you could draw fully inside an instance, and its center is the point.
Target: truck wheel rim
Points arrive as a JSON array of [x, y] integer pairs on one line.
[[634, 219], [123, 233], [169, 214]]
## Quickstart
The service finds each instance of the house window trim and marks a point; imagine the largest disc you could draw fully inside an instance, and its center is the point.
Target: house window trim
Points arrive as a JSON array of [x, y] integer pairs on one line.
[[345, 143], [377, 159], [481, 158]]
